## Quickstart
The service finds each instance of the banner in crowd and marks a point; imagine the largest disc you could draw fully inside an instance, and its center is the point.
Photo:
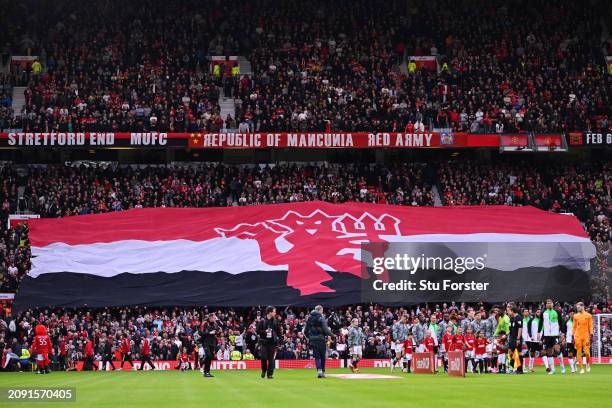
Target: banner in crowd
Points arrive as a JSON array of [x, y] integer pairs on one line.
[[307, 140], [285, 254], [545, 142], [424, 62], [24, 60], [310, 140], [16, 219], [592, 139], [515, 141], [575, 138]]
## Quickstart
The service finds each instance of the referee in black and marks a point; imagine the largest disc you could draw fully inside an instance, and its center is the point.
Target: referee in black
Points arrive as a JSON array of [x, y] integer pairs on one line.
[[269, 334], [515, 336], [208, 339]]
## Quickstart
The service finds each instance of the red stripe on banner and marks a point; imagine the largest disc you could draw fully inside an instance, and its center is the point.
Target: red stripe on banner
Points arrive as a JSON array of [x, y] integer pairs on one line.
[[201, 224]]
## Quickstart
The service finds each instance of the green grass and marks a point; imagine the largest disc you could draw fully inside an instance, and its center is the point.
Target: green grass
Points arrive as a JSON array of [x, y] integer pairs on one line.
[[300, 387]]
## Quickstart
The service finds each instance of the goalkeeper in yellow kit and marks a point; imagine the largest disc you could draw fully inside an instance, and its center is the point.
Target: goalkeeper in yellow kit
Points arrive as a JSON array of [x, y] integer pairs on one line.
[[582, 331]]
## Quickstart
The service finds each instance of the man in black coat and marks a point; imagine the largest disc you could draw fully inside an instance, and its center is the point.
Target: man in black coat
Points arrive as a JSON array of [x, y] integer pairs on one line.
[[208, 339], [269, 334], [108, 354], [316, 331]]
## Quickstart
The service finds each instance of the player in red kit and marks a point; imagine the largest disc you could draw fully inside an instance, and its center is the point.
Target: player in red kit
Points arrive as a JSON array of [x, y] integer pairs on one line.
[[481, 352], [89, 355], [184, 360], [429, 342], [145, 352], [501, 344], [447, 344], [42, 346], [458, 341], [62, 353], [126, 351], [469, 340], [408, 348]]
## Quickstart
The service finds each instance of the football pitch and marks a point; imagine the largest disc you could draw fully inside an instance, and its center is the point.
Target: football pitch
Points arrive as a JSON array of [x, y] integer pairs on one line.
[[301, 388]]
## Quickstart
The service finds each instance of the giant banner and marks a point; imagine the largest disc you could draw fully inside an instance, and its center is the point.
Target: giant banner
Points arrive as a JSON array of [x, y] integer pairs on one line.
[[301, 254]]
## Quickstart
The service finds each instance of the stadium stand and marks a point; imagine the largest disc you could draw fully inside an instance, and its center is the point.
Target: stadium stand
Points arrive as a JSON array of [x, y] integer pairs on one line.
[[148, 68]]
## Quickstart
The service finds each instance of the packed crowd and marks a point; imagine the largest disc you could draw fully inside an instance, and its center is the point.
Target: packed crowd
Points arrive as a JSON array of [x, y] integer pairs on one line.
[[61, 191], [583, 189], [57, 191], [143, 68], [517, 76], [14, 242], [172, 331], [315, 66]]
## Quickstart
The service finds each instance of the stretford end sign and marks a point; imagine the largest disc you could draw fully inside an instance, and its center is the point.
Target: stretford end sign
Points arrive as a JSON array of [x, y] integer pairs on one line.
[[220, 140], [306, 140]]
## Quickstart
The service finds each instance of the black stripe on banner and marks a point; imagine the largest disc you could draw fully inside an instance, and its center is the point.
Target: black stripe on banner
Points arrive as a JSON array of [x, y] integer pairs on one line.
[[194, 288], [187, 288]]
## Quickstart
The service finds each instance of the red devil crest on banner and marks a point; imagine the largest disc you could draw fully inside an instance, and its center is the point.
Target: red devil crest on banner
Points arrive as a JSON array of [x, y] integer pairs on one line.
[[285, 241]]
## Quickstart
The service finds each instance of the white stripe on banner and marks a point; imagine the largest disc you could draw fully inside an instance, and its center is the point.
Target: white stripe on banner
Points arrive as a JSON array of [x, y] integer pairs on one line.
[[233, 255]]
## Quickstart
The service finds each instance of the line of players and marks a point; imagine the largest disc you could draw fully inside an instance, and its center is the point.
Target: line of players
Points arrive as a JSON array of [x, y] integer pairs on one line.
[[541, 334], [42, 349], [125, 348], [544, 334]]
